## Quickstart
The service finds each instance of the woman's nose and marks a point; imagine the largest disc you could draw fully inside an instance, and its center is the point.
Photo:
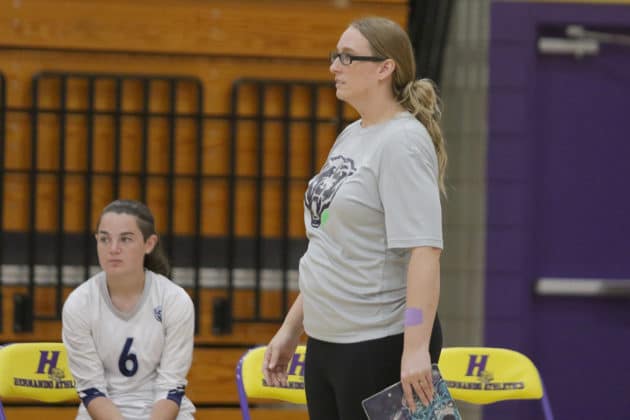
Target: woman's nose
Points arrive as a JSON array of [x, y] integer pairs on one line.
[[334, 66], [114, 246]]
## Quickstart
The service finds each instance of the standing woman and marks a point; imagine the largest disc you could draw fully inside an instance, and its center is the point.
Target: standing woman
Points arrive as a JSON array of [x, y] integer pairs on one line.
[[129, 330], [370, 278]]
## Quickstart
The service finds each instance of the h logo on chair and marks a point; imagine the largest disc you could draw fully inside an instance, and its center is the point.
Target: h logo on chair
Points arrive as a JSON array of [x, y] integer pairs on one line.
[[476, 362], [297, 363], [49, 358]]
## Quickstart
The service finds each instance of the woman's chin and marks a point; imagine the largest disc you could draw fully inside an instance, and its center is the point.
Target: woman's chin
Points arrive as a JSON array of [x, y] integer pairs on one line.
[[115, 270]]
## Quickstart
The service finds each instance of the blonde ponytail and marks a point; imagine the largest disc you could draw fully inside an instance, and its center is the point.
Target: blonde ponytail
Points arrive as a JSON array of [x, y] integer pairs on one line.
[[421, 99]]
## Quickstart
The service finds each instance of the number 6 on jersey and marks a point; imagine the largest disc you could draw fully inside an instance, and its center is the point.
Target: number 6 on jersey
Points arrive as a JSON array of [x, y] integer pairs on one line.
[[128, 362]]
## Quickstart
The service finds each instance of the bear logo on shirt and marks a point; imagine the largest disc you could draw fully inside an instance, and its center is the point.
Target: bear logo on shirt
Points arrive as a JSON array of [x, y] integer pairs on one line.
[[157, 313], [323, 187]]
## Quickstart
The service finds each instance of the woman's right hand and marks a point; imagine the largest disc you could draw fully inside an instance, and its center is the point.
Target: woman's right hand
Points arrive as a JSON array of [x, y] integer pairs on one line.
[[278, 355]]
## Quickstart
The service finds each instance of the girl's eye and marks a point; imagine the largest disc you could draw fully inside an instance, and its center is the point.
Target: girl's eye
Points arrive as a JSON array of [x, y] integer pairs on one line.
[[103, 239]]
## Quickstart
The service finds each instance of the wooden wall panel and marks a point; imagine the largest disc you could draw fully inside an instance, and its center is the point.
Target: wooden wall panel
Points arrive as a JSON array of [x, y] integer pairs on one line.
[[215, 133], [215, 144], [303, 28], [244, 333], [17, 141], [16, 204], [217, 75], [215, 42]]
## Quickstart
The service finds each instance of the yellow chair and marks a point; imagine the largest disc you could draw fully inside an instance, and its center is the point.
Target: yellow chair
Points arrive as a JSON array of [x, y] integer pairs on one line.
[[35, 371], [478, 375], [484, 375], [251, 384]]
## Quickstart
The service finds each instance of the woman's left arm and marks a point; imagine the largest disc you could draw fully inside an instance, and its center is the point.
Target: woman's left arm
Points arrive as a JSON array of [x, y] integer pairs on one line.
[[423, 292], [179, 324]]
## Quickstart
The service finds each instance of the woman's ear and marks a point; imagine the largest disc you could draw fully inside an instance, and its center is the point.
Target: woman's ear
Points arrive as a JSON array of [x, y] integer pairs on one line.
[[150, 244], [386, 69]]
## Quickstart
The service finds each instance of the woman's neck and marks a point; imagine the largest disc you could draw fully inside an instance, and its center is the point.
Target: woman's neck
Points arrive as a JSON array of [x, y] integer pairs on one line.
[[380, 117], [125, 291], [378, 110]]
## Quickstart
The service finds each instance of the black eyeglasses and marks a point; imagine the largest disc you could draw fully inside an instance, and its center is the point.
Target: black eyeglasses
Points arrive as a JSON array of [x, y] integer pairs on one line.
[[345, 58]]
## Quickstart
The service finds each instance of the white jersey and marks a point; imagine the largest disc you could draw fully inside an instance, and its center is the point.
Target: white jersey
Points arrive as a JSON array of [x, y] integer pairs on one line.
[[134, 359]]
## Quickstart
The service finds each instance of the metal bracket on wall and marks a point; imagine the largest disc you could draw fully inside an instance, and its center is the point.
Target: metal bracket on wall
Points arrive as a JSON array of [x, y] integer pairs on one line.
[[579, 32], [565, 46], [580, 42], [574, 287]]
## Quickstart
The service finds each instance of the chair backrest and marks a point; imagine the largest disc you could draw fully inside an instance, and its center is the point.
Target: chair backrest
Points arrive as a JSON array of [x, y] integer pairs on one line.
[[478, 375], [251, 384], [35, 371], [484, 375]]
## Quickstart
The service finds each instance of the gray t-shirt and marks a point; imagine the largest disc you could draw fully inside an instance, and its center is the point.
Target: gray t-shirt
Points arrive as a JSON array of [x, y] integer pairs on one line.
[[376, 197]]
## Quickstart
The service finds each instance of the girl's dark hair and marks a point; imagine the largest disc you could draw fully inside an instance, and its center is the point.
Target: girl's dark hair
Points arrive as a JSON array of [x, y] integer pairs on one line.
[[156, 261]]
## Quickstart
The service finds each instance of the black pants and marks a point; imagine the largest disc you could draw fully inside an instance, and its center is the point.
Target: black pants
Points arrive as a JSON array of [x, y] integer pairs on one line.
[[339, 376]]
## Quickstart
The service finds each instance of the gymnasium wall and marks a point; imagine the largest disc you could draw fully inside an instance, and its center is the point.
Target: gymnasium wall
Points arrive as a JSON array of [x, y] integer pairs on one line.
[[557, 213], [166, 101]]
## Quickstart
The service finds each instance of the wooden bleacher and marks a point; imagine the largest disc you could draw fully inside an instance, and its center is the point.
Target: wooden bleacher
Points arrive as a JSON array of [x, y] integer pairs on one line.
[[216, 42]]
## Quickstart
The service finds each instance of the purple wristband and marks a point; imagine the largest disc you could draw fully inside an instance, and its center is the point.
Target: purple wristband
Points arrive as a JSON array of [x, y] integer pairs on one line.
[[413, 317]]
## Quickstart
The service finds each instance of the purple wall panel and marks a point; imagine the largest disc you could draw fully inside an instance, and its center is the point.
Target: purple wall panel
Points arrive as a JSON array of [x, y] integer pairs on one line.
[[511, 332], [514, 207], [508, 249], [505, 73], [510, 23], [533, 185], [510, 158], [510, 112], [587, 150], [514, 302], [583, 358]]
